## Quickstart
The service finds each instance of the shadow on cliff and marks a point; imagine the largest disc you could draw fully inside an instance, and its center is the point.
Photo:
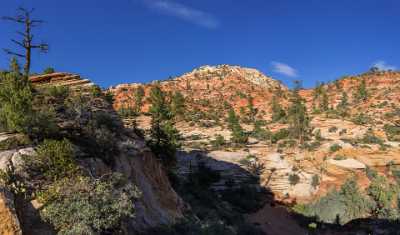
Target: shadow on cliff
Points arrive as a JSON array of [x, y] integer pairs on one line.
[[256, 206]]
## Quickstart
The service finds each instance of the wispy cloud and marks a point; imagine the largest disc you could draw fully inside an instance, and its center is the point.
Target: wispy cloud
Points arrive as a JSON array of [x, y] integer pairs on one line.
[[284, 69], [183, 12], [382, 65]]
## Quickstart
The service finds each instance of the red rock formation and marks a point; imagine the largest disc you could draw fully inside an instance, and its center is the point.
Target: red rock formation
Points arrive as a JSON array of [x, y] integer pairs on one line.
[[213, 84], [61, 79]]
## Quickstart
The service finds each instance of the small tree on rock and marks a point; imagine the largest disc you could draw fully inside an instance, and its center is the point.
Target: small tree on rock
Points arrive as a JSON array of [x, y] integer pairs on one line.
[[299, 121]]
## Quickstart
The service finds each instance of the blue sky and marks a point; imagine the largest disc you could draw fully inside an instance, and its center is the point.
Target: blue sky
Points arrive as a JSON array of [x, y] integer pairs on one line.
[[124, 41]]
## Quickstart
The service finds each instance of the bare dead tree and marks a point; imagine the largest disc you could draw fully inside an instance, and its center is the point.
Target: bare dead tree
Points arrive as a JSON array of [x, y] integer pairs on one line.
[[23, 17]]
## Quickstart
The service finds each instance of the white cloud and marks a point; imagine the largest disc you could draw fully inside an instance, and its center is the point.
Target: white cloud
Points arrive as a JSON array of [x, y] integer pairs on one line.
[[383, 66], [184, 12], [284, 69]]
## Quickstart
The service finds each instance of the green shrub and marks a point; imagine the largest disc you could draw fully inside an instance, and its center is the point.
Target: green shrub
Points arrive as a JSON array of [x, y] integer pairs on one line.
[[98, 135], [318, 136], [280, 135], [294, 179], [13, 182], [362, 119], [259, 132], [218, 142], [48, 70], [96, 91], [55, 159], [384, 194], [335, 148], [239, 136], [311, 146], [339, 207], [392, 132], [315, 181], [370, 138], [57, 92], [85, 206], [371, 173]]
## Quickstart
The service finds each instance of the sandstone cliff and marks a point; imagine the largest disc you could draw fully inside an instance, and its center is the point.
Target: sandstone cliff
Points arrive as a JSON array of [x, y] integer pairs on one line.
[[158, 203]]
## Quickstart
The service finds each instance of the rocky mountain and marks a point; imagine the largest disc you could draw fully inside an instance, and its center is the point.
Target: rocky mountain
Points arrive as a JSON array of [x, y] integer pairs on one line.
[[208, 87], [84, 138], [354, 131]]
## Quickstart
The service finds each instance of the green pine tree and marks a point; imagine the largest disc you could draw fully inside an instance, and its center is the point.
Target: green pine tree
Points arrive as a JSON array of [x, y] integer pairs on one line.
[[238, 134], [164, 137], [299, 121], [278, 113], [361, 94], [16, 112], [139, 95], [343, 105], [324, 104], [252, 112], [178, 104]]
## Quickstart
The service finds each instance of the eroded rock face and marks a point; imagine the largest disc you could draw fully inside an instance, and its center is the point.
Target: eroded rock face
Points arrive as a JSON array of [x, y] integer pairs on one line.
[[9, 222], [158, 205], [73, 81]]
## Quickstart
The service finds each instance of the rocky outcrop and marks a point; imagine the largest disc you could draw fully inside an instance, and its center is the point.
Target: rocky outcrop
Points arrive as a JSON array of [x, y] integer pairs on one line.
[[158, 205], [348, 163], [277, 177], [73, 81], [225, 163]]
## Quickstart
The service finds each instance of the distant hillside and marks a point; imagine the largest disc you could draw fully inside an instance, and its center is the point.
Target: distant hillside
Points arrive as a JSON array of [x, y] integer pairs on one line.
[[211, 88]]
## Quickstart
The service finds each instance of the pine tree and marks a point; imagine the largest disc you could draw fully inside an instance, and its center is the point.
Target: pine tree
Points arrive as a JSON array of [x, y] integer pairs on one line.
[[177, 104], [277, 111], [238, 134], [324, 104], [16, 112], [251, 110], [139, 94], [343, 105], [361, 94], [164, 137], [299, 122]]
